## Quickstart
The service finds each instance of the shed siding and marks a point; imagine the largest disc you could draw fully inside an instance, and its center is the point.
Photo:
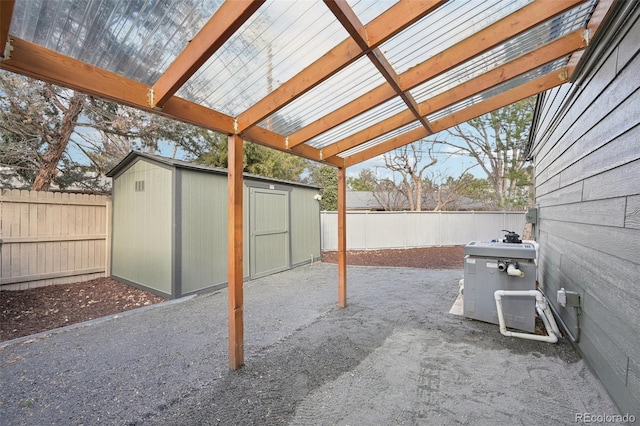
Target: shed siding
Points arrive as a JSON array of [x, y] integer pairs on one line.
[[305, 225], [587, 168], [204, 230], [269, 231], [142, 251], [170, 232]]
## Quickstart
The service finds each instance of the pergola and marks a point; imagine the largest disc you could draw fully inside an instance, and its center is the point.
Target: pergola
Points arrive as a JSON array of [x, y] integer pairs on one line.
[[334, 81]]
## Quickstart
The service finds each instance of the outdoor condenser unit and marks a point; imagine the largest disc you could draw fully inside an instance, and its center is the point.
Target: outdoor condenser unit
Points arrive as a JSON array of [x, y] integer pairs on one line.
[[498, 265]]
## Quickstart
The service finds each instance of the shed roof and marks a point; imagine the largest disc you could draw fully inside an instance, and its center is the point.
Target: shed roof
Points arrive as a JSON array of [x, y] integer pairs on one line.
[[337, 81], [172, 162]]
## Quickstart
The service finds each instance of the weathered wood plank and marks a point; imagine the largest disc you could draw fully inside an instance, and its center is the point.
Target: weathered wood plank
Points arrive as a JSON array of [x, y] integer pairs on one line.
[[40, 234], [50, 275]]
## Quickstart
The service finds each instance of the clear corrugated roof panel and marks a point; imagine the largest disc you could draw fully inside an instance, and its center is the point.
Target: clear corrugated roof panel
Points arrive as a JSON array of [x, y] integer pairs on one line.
[[359, 123], [348, 84], [381, 139], [529, 41], [136, 39], [367, 10], [276, 43], [449, 24], [503, 87]]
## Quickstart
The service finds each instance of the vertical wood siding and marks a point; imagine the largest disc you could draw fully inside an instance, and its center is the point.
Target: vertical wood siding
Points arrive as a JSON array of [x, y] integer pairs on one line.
[[305, 225], [51, 238], [142, 224], [204, 230], [587, 170]]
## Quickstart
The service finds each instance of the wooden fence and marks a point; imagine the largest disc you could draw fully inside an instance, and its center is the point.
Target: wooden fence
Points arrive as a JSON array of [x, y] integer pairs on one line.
[[52, 238], [57, 238]]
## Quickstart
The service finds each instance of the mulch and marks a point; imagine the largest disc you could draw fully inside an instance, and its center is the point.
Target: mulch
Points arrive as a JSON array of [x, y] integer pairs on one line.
[[424, 257], [26, 312]]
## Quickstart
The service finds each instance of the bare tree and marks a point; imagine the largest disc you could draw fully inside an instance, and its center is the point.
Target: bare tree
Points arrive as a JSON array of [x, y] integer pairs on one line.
[[389, 196], [445, 191], [407, 162]]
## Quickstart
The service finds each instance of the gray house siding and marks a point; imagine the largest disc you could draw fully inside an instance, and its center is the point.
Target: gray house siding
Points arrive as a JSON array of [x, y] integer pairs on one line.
[[170, 237], [586, 150]]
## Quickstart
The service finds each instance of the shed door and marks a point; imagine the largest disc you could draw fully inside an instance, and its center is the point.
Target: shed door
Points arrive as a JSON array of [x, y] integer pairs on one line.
[[269, 231]]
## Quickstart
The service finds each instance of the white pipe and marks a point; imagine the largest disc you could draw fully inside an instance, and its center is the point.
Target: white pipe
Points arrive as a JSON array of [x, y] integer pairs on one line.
[[513, 271], [541, 307]]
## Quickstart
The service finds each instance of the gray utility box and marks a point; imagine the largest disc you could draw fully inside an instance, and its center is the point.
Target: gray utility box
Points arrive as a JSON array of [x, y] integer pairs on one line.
[[484, 273]]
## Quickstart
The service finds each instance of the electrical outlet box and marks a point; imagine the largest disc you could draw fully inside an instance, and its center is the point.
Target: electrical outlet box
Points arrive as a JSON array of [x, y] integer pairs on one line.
[[568, 299], [532, 215]]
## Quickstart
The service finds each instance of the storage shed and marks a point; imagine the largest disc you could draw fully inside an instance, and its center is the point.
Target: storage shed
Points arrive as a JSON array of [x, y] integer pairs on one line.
[[169, 233]]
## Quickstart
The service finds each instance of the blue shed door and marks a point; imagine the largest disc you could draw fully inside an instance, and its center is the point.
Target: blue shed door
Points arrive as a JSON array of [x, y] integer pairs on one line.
[[269, 231]]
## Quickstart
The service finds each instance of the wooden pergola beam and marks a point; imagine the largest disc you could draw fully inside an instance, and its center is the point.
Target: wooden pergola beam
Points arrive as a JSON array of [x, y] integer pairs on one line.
[[385, 26], [392, 123], [6, 12], [516, 23], [599, 15], [531, 88], [235, 294], [274, 140], [391, 144], [342, 237], [222, 25], [528, 17], [44, 64], [345, 15], [549, 52], [523, 91], [544, 54], [358, 32], [369, 100]]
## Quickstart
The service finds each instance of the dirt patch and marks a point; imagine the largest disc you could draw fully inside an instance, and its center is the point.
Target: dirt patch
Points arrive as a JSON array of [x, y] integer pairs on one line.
[[424, 257], [27, 312]]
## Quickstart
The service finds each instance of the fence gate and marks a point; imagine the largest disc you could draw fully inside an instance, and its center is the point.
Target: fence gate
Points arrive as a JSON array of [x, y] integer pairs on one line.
[[269, 231]]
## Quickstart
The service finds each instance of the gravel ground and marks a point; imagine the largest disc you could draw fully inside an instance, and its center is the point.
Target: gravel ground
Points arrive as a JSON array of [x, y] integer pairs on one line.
[[393, 356]]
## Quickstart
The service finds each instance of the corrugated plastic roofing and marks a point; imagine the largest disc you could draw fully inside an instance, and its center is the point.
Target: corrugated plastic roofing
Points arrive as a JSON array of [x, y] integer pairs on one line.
[[327, 80]]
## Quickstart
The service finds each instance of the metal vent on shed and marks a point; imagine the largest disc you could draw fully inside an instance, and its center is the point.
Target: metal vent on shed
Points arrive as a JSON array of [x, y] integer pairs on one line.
[[139, 184]]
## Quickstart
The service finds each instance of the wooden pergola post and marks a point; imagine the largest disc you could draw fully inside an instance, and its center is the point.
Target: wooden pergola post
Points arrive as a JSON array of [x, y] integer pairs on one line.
[[234, 253], [342, 237]]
